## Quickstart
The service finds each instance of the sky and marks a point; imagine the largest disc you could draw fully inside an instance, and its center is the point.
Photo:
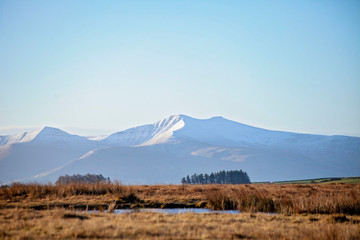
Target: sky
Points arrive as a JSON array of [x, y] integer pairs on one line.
[[96, 67]]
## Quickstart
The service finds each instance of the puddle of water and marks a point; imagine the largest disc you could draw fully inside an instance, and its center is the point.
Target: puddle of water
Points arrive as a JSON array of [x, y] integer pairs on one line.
[[175, 210]]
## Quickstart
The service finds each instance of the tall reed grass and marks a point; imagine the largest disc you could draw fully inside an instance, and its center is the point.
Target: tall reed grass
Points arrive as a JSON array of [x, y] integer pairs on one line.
[[337, 198], [288, 200], [35, 191]]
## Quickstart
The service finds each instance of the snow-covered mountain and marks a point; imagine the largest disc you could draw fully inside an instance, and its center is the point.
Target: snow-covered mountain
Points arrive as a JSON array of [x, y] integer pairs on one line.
[[45, 135], [167, 150]]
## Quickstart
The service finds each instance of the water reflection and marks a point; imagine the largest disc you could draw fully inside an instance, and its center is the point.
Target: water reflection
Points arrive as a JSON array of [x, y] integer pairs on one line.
[[175, 210]]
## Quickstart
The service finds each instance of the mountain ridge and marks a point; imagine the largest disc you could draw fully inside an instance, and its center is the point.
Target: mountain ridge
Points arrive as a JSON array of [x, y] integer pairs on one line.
[[48, 130], [175, 146]]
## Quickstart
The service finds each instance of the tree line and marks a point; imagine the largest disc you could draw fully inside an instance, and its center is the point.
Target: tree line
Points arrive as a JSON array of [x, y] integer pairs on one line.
[[77, 178], [222, 177]]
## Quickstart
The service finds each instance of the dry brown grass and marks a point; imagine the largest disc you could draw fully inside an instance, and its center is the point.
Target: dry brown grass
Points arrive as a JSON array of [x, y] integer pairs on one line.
[[289, 199], [64, 224], [36, 191], [326, 211]]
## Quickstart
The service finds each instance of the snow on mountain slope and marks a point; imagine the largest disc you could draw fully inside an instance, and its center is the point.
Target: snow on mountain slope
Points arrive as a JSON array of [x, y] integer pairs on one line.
[[173, 147], [25, 155], [217, 131], [223, 132], [159, 132], [55, 135], [44, 135], [18, 138]]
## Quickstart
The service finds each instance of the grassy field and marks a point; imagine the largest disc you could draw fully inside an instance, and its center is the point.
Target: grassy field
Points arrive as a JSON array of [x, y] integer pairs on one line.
[[305, 211], [348, 180], [355, 180]]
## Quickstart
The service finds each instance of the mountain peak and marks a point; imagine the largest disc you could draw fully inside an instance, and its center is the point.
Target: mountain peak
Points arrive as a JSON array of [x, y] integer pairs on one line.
[[176, 117], [50, 130], [39, 134], [158, 132], [48, 134]]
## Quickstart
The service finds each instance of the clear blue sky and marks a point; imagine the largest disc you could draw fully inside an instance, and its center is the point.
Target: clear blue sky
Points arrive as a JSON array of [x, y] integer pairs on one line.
[[99, 66]]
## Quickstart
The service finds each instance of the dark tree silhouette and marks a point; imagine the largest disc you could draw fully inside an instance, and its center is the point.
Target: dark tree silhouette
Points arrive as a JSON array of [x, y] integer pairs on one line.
[[187, 179], [212, 178], [77, 178], [206, 176], [222, 177], [183, 181]]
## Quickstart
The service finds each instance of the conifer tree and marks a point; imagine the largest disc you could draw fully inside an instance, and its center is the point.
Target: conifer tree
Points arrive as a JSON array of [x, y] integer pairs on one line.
[[222, 177], [183, 181]]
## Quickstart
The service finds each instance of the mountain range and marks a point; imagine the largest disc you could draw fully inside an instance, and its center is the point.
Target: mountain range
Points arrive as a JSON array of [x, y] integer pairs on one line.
[[166, 151]]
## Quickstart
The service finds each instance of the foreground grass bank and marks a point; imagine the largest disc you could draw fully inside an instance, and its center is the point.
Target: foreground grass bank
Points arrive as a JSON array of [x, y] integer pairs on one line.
[[65, 224], [337, 198]]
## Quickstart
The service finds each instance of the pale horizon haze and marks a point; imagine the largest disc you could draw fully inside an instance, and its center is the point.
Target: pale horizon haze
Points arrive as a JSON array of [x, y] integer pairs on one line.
[[97, 67]]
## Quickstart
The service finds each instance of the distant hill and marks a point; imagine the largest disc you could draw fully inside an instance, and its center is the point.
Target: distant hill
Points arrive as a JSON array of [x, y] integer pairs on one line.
[[323, 180], [169, 149]]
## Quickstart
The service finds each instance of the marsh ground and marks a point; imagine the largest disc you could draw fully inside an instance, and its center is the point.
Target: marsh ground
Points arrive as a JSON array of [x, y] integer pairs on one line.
[[312, 211], [64, 224]]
